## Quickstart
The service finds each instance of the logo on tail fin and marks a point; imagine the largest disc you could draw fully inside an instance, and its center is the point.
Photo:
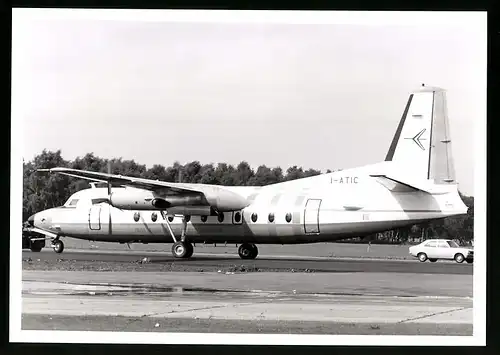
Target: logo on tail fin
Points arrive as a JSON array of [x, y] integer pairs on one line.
[[418, 138]]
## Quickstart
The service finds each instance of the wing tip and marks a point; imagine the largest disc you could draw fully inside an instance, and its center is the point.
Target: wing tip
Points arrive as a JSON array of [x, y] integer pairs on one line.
[[54, 169]]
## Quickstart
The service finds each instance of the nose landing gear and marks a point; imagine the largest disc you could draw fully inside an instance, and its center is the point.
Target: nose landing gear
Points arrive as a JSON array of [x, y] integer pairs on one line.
[[58, 246], [248, 251]]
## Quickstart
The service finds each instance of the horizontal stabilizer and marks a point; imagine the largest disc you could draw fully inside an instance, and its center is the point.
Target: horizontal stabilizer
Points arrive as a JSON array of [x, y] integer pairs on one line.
[[403, 185]]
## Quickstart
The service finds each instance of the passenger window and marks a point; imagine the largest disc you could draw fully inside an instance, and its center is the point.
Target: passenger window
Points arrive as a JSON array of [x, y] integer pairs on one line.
[[96, 201], [431, 244]]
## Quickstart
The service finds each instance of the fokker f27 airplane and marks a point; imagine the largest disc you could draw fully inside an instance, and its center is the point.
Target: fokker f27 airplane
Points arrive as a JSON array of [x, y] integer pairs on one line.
[[415, 183]]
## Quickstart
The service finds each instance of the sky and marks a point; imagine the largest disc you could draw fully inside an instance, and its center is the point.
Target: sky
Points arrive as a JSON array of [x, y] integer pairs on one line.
[[321, 96]]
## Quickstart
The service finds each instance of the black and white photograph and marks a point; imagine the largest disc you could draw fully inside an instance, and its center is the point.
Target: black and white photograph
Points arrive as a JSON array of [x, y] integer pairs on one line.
[[248, 177]]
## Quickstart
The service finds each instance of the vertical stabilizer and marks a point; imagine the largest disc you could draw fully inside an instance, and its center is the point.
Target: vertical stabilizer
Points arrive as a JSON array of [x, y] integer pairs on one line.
[[421, 146]]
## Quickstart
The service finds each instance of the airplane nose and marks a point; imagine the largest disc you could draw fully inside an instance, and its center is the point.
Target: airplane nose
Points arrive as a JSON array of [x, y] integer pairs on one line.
[[31, 220]]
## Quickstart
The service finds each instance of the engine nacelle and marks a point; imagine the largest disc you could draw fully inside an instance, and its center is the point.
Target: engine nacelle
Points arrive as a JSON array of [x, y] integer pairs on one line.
[[220, 199], [224, 200], [163, 203], [131, 199]]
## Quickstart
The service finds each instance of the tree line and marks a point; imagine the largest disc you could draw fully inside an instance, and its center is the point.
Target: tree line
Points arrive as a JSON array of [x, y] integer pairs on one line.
[[42, 191]]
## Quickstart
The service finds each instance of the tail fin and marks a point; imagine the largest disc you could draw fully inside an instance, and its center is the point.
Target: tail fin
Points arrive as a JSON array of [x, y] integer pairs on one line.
[[421, 146]]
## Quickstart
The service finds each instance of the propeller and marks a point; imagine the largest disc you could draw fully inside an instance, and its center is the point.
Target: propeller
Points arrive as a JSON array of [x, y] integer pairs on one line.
[[109, 181], [110, 185], [110, 228]]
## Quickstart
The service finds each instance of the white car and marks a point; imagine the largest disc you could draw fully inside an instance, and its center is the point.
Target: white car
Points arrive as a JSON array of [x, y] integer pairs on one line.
[[435, 249]]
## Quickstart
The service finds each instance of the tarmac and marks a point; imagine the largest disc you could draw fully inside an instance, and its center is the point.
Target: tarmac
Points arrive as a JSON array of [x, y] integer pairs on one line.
[[124, 260], [301, 303]]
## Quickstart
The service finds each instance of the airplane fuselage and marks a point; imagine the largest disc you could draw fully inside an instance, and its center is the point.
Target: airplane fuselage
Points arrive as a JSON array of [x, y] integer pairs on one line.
[[322, 208]]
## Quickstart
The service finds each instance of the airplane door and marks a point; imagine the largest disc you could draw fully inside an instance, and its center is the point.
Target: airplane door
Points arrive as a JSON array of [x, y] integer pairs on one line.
[[95, 217], [311, 216]]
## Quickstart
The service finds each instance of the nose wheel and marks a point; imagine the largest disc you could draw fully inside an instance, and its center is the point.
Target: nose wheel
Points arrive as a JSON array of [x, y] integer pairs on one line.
[[182, 250], [58, 246], [248, 251]]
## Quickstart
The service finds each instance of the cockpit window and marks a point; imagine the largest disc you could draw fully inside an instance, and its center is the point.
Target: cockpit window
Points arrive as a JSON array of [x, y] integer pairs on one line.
[[96, 201], [73, 203]]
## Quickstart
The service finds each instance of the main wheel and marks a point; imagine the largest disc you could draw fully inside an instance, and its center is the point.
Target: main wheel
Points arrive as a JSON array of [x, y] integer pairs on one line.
[[35, 249], [58, 246], [433, 260], [422, 257], [459, 258], [248, 251], [182, 250], [190, 250]]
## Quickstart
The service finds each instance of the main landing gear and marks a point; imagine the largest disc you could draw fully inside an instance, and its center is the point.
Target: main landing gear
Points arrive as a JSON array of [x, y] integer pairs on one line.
[[181, 249], [248, 251]]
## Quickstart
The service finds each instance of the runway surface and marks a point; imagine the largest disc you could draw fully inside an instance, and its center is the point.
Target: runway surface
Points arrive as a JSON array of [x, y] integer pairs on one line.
[[192, 325], [133, 261], [301, 292], [345, 283], [323, 303]]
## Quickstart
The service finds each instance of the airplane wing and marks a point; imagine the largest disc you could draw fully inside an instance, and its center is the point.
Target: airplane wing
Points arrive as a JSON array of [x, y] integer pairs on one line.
[[120, 180], [217, 196]]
